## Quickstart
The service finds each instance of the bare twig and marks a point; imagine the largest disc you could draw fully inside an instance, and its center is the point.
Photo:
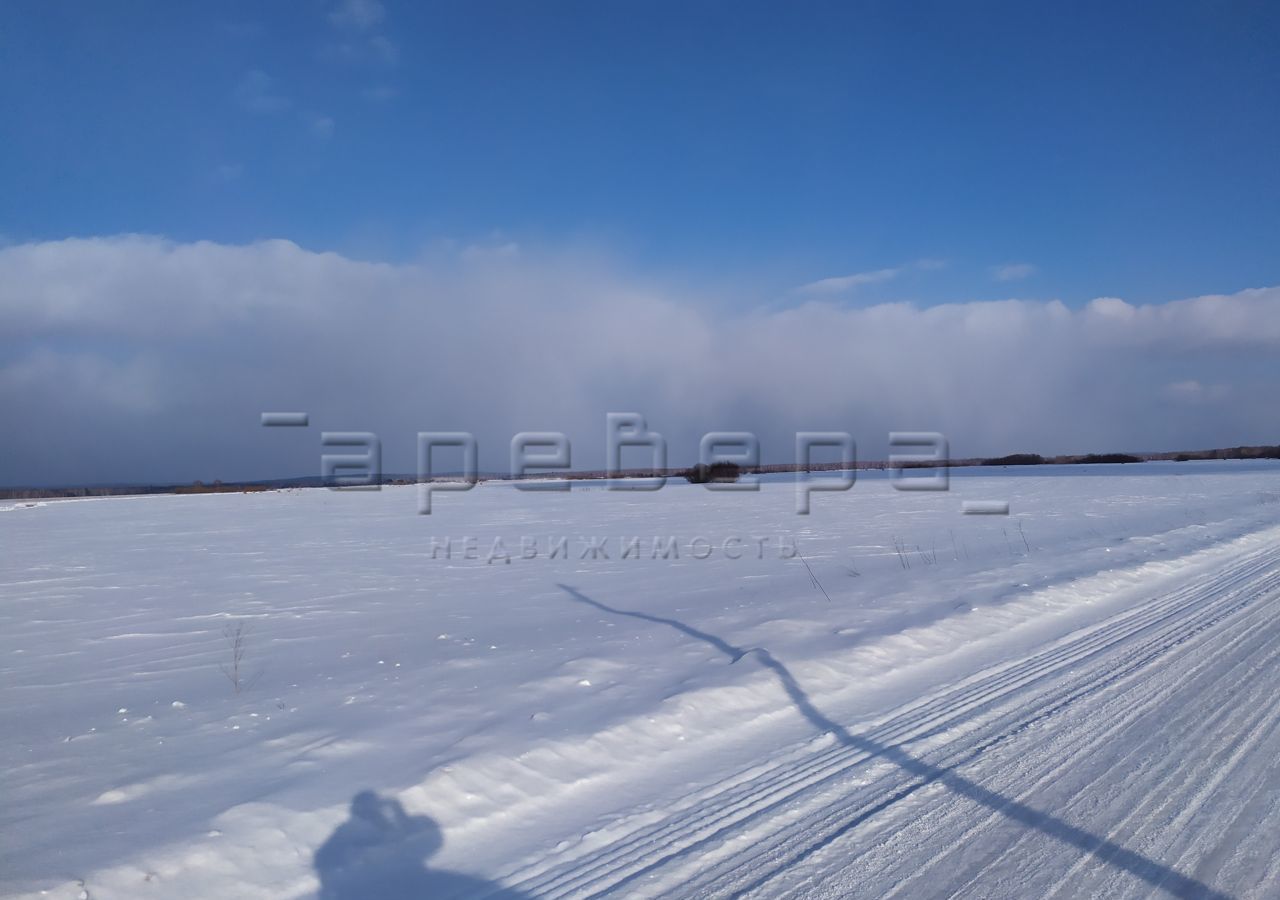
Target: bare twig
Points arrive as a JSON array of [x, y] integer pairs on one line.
[[813, 579], [236, 635], [901, 549]]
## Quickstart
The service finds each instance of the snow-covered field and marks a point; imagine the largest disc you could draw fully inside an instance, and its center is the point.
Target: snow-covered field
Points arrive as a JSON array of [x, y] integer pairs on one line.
[[1079, 699]]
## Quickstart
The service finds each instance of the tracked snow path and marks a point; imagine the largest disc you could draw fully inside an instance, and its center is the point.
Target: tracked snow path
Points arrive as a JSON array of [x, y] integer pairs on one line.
[[1140, 755]]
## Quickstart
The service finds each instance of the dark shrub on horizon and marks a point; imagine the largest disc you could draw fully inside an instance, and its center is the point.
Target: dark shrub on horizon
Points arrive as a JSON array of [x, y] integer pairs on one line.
[[721, 471], [1093, 458]]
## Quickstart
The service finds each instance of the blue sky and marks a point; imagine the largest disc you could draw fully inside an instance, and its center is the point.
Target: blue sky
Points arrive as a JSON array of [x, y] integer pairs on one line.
[[1101, 148], [1033, 227]]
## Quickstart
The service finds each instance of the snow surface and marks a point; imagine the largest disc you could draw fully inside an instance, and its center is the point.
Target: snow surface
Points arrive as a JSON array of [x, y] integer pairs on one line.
[[1078, 699]]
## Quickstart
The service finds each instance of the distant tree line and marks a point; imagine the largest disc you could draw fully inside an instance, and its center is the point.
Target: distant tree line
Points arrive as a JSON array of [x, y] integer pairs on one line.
[[1016, 459], [1035, 459], [699, 474], [1231, 453], [199, 487]]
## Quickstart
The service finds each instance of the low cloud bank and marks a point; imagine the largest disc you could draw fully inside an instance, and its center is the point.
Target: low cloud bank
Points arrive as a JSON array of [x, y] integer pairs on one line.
[[139, 359]]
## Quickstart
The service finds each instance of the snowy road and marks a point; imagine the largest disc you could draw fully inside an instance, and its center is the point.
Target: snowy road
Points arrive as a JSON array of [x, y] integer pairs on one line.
[[1154, 722], [1077, 700]]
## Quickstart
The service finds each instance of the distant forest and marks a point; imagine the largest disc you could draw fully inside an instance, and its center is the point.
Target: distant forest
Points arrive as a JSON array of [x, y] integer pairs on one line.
[[699, 475]]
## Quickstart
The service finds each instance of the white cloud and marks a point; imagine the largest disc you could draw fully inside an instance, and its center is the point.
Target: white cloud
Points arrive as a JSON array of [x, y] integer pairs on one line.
[[381, 93], [384, 49], [1013, 271], [359, 15], [258, 92], [474, 253], [134, 358], [357, 41], [1192, 391], [321, 126], [377, 50], [843, 283]]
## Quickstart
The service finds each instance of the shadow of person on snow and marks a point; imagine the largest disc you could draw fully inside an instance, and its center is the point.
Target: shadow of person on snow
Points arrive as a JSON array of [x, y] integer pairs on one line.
[[380, 852]]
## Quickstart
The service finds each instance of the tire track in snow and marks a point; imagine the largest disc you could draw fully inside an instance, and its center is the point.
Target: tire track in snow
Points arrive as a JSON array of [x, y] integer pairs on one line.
[[1070, 758], [804, 774], [816, 834], [711, 817], [838, 758]]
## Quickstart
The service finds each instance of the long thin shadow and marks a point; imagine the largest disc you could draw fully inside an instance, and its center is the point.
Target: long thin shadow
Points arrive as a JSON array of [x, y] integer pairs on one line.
[[1149, 870]]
